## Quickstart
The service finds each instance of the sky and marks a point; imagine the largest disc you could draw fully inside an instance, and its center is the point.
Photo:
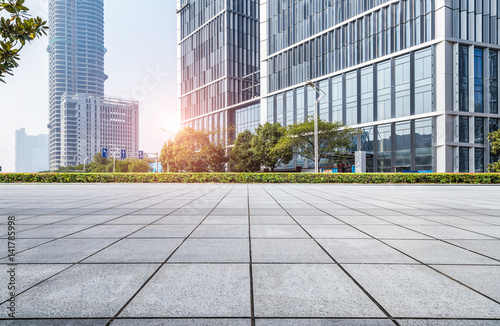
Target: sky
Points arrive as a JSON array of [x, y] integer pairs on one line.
[[141, 62]]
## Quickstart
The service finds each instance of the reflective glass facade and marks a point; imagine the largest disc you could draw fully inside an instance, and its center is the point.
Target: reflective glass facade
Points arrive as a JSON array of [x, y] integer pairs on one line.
[[309, 39], [219, 59]]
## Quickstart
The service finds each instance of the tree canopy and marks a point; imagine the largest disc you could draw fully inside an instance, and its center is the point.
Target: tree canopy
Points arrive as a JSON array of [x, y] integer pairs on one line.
[[243, 157], [494, 139], [334, 139], [16, 30], [264, 144], [194, 151]]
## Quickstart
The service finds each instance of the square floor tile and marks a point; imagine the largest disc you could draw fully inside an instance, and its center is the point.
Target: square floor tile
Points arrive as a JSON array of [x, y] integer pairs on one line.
[[83, 291], [334, 232], [417, 291], [363, 251], [164, 231], [278, 231], [194, 290], [136, 251], [308, 291], [438, 252], [221, 231], [288, 251], [213, 250]]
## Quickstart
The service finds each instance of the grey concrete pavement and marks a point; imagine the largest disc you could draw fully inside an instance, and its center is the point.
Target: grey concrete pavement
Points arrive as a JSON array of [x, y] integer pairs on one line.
[[211, 254]]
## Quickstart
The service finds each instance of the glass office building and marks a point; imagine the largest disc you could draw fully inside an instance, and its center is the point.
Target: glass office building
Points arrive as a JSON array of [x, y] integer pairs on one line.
[[425, 94], [218, 63]]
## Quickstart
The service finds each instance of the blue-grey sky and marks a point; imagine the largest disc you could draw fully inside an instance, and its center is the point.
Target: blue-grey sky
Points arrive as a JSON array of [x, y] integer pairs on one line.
[[141, 63]]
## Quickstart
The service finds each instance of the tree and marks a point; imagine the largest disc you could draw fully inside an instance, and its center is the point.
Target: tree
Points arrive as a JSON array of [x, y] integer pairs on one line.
[[243, 156], [194, 151], [334, 139], [264, 143], [494, 139], [16, 30], [138, 166]]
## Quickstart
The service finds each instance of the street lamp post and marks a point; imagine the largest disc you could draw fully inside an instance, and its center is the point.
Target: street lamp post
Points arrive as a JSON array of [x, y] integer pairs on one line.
[[85, 163], [316, 109]]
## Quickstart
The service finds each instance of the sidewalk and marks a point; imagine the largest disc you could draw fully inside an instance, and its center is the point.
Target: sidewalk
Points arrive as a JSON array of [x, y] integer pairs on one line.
[[210, 254]]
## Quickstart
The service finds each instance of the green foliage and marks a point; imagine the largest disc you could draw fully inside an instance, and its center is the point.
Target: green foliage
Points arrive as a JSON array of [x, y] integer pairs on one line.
[[105, 165], [194, 151], [334, 139], [494, 139], [362, 178], [243, 157], [15, 31], [264, 144]]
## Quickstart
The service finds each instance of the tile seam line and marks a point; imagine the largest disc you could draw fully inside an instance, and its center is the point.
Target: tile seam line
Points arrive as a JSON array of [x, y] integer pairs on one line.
[[379, 306], [252, 297], [100, 250], [417, 260], [166, 260]]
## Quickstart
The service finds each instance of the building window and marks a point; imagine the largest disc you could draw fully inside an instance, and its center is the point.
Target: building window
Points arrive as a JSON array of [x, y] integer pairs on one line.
[[479, 160], [279, 109], [270, 110], [493, 81], [463, 159], [463, 129], [478, 81], [337, 105], [384, 93], [423, 144], [367, 94], [351, 86], [463, 76], [384, 152], [301, 115], [402, 86], [324, 104], [289, 108], [479, 130], [403, 146], [424, 99]]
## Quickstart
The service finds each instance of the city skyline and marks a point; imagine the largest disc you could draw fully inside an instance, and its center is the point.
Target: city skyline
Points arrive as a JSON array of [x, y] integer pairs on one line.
[[144, 70]]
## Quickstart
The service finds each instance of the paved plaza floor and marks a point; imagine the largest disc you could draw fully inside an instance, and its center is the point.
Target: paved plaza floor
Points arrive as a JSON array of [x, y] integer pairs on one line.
[[211, 254]]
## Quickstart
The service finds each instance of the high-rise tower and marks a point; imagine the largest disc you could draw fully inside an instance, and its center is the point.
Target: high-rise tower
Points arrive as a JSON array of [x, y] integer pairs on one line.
[[76, 59]]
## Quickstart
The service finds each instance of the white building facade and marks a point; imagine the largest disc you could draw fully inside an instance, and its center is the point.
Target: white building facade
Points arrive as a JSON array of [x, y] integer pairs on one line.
[[91, 123]]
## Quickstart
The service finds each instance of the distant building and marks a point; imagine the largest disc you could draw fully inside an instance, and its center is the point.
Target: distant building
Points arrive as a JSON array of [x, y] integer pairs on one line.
[[91, 123], [32, 152], [76, 66]]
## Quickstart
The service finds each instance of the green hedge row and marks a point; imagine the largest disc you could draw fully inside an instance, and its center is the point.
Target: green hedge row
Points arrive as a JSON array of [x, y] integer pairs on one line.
[[443, 178]]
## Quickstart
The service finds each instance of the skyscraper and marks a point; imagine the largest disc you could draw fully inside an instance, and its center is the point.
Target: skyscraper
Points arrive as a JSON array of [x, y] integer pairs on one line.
[[419, 78], [76, 62]]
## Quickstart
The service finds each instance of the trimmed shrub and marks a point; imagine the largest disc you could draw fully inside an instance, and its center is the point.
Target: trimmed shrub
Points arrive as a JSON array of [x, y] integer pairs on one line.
[[368, 178]]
